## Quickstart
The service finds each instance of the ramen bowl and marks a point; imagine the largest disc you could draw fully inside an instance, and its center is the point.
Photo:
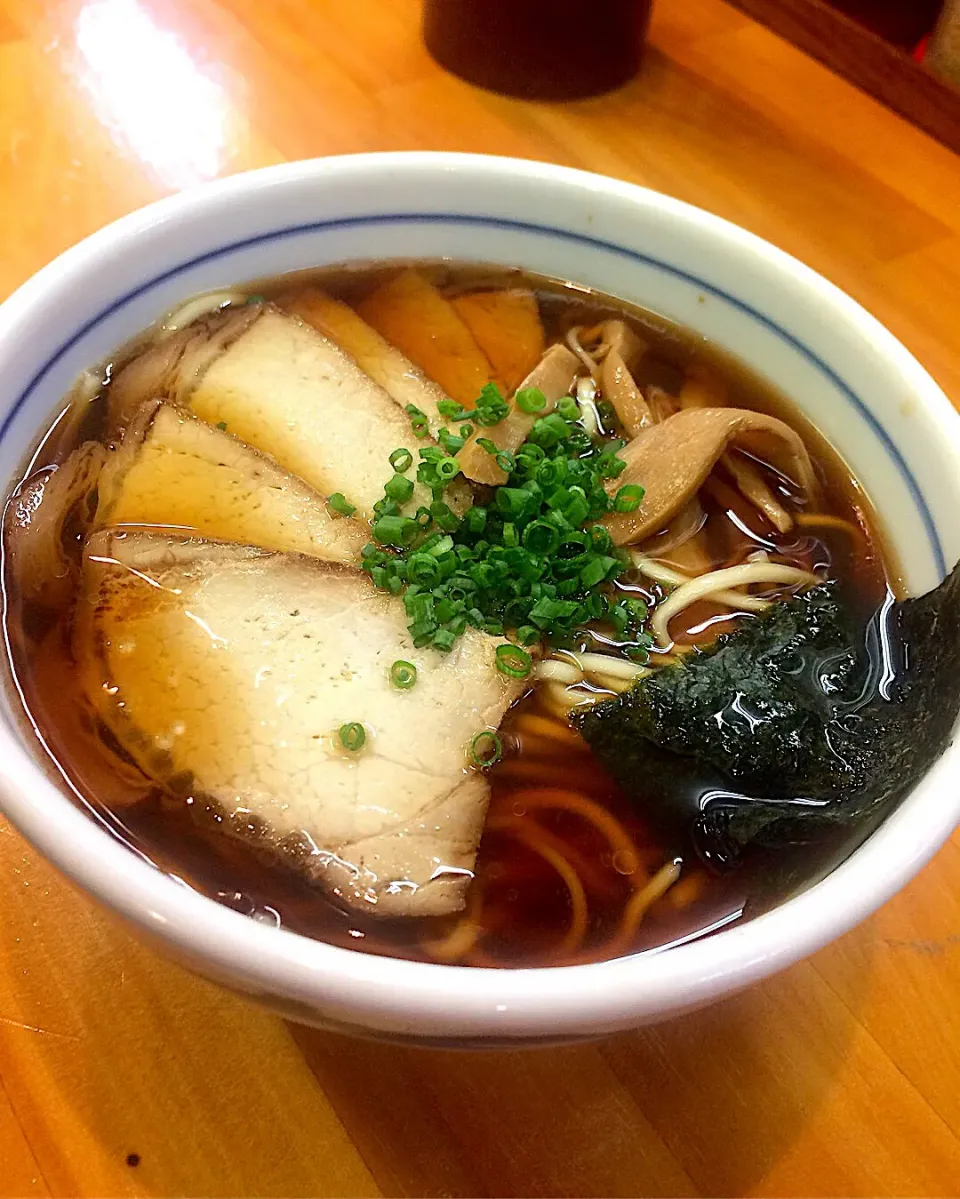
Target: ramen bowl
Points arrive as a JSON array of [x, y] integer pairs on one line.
[[864, 392]]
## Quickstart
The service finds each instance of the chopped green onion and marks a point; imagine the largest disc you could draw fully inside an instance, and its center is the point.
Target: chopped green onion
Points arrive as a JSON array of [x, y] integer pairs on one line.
[[222, 425], [399, 489], [511, 501], [444, 516], [514, 662], [352, 736], [423, 569], [568, 408], [491, 406], [532, 564], [450, 442], [438, 545], [637, 609], [475, 519], [395, 530], [486, 749], [596, 570], [339, 504], [447, 469], [550, 472], [490, 393], [451, 410], [403, 674], [600, 539], [444, 639], [550, 430], [492, 411], [628, 498], [610, 466], [529, 456], [540, 537], [530, 400], [418, 418], [547, 610]]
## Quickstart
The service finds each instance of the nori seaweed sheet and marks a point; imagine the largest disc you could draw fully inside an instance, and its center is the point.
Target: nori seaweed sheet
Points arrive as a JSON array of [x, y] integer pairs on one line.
[[802, 727]]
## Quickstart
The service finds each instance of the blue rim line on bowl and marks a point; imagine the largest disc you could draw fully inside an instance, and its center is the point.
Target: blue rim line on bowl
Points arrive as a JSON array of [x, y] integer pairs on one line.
[[526, 227]]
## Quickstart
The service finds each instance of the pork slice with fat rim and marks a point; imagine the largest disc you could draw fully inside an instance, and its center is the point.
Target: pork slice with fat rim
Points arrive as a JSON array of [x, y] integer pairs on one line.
[[226, 672]]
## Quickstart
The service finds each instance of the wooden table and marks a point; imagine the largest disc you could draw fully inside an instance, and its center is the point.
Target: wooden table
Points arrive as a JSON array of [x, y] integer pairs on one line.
[[122, 1074]]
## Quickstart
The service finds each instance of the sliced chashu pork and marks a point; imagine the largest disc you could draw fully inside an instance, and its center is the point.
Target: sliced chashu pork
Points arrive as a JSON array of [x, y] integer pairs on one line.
[[174, 470], [226, 672], [281, 386], [506, 325], [419, 320], [47, 509], [404, 382]]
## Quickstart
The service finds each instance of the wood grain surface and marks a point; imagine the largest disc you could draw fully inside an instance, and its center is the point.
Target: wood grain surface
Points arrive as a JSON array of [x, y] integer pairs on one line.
[[924, 93], [120, 1074]]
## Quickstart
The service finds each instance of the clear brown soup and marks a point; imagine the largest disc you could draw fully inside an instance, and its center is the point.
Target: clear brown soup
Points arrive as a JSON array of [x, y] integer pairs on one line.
[[520, 903]]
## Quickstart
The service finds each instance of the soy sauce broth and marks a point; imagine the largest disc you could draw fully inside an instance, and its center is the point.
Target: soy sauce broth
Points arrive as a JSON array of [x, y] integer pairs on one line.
[[526, 905]]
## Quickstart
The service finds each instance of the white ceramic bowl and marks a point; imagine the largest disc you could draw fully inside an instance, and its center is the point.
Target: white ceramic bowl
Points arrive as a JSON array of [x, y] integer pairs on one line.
[[854, 380]]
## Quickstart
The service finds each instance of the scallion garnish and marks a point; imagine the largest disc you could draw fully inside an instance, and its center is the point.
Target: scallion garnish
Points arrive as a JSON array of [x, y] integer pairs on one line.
[[486, 749], [530, 400], [423, 569], [513, 661], [400, 531], [339, 504], [535, 563], [491, 406], [418, 418], [399, 489], [628, 498], [451, 410], [447, 468], [450, 442], [403, 674], [353, 736], [568, 408]]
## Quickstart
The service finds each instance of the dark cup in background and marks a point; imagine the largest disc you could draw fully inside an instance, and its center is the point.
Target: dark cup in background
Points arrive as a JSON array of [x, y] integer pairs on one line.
[[538, 49]]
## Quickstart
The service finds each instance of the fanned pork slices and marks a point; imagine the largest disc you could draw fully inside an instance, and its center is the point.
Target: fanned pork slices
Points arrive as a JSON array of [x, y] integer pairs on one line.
[[172, 469], [404, 382], [226, 672], [279, 385], [420, 321]]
